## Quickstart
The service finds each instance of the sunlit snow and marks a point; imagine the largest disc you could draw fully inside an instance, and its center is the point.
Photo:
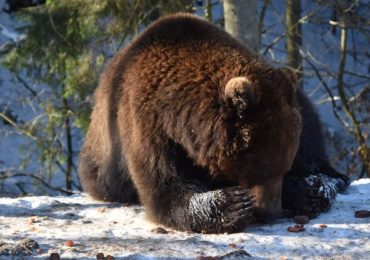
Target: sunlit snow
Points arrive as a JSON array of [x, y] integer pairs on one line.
[[123, 231]]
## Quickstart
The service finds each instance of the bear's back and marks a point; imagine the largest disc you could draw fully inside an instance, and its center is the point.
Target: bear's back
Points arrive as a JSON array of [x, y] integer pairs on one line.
[[183, 28]]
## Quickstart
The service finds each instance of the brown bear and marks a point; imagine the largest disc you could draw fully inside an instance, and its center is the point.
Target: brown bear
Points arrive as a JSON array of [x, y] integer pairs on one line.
[[201, 131]]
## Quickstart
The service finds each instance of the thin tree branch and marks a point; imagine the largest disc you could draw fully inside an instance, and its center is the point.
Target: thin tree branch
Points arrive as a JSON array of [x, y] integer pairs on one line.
[[262, 18], [354, 73], [332, 98], [363, 149], [273, 43], [7, 175], [16, 126], [280, 37], [25, 85]]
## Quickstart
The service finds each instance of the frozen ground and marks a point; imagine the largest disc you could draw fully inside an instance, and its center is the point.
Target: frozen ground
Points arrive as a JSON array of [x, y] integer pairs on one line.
[[122, 231]]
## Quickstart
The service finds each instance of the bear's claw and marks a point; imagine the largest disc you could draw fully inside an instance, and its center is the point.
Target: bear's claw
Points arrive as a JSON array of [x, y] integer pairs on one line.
[[238, 210]]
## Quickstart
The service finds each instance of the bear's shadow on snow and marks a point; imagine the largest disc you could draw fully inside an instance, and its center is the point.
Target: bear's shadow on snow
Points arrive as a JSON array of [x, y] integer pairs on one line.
[[57, 210]]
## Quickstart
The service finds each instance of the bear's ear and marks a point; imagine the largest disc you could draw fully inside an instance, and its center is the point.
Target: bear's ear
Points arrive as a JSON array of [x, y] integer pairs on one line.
[[291, 75], [239, 91]]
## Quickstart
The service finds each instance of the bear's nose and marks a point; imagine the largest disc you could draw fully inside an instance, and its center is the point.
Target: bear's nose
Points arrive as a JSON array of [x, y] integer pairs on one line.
[[268, 200]]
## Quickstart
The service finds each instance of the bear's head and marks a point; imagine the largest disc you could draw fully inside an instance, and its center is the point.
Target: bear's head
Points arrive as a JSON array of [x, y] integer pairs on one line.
[[269, 125]]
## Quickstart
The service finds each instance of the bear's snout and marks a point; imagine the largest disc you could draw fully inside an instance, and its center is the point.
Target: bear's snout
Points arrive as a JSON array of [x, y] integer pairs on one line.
[[268, 201]]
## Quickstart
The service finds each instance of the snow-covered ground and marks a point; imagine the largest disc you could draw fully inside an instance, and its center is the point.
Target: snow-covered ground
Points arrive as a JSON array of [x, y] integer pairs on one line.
[[122, 231]]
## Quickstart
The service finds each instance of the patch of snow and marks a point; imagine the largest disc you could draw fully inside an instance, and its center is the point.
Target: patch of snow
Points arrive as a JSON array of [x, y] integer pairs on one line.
[[123, 231]]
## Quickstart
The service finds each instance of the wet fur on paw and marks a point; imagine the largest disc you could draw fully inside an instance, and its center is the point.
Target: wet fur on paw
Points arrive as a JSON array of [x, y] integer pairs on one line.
[[311, 195], [222, 211]]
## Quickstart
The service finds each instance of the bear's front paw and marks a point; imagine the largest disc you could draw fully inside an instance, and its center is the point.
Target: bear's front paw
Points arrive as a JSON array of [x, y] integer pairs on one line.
[[237, 209], [222, 211]]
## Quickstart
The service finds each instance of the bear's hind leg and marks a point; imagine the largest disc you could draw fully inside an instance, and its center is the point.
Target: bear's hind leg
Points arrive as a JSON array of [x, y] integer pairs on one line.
[[342, 181], [312, 183], [88, 174], [116, 183], [310, 195], [107, 181]]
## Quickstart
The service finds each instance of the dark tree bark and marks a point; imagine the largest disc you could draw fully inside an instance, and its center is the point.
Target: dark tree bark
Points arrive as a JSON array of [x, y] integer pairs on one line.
[[69, 151], [208, 10], [294, 36]]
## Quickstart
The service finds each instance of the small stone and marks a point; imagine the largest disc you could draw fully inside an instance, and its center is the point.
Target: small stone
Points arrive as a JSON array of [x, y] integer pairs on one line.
[[208, 258], [29, 244], [69, 243], [100, 256], [159, 230], [109, 257], [362, 213], [236, 254], [101, 210], [32, 220], [232, 245], [323, 226], [296, 228], [54, 256]]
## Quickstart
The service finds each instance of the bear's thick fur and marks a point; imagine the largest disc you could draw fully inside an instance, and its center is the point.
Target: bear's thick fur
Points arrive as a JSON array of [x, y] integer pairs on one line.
[[202, 131]]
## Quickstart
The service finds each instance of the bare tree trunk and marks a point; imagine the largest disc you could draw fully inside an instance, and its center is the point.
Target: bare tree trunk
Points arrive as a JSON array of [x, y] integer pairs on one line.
[[294, 36], [241, 21], [69, 152], [208, 10], [363, 149]]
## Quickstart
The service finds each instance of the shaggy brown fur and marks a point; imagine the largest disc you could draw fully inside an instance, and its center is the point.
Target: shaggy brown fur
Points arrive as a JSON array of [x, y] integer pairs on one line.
[[194, 123]]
